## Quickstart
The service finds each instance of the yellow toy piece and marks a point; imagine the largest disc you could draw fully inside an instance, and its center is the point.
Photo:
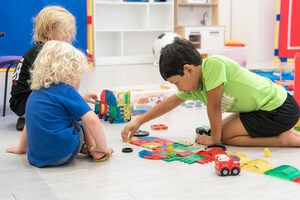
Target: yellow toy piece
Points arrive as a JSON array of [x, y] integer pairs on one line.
[[100, 159], [243, 157], [170, 151], [132, 139], [150, 145], [187, 143], [267, 152], [258, 166]]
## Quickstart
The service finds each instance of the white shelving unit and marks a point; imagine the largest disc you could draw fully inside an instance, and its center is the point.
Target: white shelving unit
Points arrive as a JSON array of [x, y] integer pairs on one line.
[[124, 31]]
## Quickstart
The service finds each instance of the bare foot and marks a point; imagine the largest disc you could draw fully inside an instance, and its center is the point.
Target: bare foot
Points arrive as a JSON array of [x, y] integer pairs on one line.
[[99, 156], [290, 138]]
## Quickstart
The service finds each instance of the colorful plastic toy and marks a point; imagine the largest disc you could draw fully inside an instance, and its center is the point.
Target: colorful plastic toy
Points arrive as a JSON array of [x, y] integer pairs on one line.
[[159, 127], [170, 151], [258, 166], [286, 172], [203, 130], [141, 133], [267, 153], [244, 159], [225, 165], [113, 106]]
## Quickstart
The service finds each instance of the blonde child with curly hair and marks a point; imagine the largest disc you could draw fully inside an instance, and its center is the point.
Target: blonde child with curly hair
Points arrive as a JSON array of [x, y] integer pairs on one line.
[[58, 119], [51, 23]]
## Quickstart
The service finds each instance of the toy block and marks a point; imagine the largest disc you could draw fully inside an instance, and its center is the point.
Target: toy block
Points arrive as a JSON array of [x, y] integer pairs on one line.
[[170, 150], [258, 166], [138, 142], [191, 158], [144, 153], [165, 153], [148, 138], [159, 127], [196, 150], [178, 150], [297, 180], [158, 149], [171, 159], [186, 143], [132, 139], [155, 157], [284, 171], [267, 153], [205, 160], [177, 145], [161, 141], [211, 152], [150, 145], [185, 153], [190, 149]]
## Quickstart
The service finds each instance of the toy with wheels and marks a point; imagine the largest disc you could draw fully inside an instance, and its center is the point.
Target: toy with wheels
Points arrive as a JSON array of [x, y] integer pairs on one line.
[[114, 107]]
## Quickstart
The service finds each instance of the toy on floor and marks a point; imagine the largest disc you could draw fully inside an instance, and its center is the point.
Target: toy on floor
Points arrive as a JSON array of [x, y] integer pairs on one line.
[[227, 165], [113, 106], [159, 127], [170, 151], [203, 130], [141, 133], [267, 153], [216, 145], [127, 150]]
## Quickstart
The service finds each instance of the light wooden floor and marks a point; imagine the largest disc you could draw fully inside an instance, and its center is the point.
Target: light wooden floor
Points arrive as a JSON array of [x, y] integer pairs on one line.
[[129, 177]]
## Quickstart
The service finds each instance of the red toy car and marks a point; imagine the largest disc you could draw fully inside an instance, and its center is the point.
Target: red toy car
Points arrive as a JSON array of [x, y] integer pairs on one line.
[[226, 165]]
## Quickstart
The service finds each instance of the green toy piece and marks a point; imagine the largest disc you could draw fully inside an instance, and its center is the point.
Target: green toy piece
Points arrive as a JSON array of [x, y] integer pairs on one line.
[[284, 171], [191, 158]]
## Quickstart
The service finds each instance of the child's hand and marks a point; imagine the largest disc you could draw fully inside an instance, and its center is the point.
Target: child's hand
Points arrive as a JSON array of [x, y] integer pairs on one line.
[[15, 150], [90, 97], [204, 139], [132, 128]]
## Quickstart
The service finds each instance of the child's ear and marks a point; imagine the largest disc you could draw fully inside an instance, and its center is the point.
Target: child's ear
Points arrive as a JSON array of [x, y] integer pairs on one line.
[[45, 34], [189, 68]]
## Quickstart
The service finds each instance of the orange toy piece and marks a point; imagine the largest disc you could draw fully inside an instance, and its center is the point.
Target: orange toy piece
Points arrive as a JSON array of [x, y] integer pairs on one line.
[[159, 127]]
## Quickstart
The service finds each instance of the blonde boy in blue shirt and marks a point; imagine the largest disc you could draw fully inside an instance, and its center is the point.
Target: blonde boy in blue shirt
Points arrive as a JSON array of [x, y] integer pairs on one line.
[[263, 113]]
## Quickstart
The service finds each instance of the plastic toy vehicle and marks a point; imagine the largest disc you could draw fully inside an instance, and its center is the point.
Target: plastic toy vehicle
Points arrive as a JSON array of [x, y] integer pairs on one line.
[[225, 165], [113, 106], [203, 130]]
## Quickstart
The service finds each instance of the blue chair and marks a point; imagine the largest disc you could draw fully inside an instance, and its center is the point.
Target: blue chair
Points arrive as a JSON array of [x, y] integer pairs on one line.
[[10, 61]]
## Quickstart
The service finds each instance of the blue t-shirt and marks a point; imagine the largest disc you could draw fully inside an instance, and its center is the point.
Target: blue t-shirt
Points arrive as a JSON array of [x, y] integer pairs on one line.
[[51, 133]]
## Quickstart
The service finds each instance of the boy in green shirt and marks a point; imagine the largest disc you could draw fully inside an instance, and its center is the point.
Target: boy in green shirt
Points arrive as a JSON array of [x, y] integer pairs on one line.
[[264, 114]]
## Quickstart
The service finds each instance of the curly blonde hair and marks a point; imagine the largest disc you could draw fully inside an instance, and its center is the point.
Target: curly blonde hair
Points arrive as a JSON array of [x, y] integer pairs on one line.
[[54, 20], [57, 62]]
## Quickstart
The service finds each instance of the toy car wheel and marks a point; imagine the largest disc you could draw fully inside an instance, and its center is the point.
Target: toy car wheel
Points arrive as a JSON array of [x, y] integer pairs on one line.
[[100, 116], [111, 120], [224, 172], [203, 130], [235, 171], [105, 118]]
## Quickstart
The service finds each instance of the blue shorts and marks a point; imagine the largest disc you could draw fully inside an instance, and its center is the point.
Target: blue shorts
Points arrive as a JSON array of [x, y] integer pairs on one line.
[[80, 126]]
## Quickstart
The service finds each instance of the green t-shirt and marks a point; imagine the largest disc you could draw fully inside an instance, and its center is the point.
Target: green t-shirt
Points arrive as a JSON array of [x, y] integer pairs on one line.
[[243, 91]]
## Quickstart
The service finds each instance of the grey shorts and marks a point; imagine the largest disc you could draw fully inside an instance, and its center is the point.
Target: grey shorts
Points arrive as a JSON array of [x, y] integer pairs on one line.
[[80, 127]]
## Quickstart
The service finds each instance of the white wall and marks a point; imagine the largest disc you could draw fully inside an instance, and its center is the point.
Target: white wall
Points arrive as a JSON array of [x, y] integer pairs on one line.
[[252, 22]]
